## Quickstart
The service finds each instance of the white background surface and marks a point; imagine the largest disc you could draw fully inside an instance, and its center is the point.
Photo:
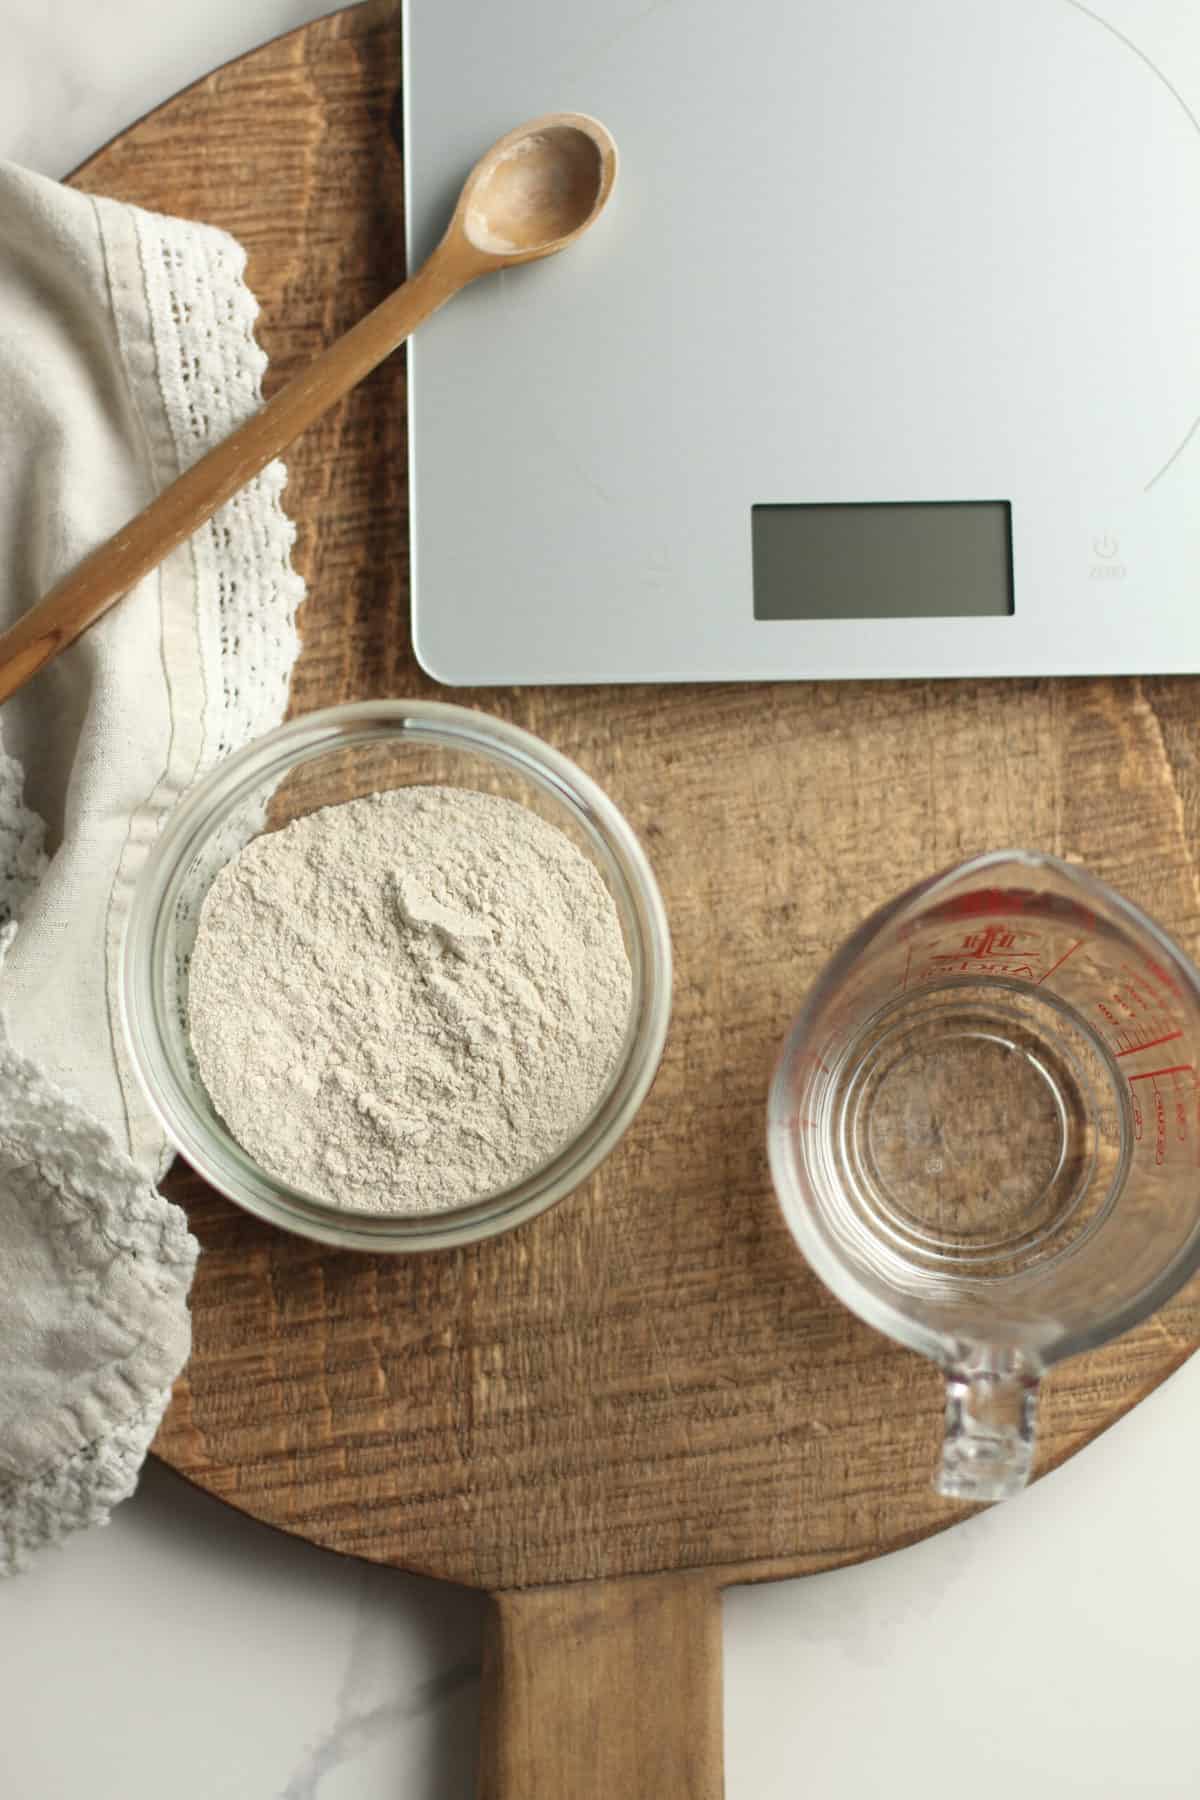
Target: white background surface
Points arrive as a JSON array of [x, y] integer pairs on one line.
[[1047, 1648]]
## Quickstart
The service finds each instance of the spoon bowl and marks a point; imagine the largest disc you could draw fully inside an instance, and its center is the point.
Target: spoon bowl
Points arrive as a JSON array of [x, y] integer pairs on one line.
[[538, 188]]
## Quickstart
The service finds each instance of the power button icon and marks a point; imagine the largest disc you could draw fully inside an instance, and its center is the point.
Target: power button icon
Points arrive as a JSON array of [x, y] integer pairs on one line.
[[1106, 546]]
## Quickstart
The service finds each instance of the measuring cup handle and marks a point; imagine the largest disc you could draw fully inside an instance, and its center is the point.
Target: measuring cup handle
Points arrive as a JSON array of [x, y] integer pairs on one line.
[[991, 1407]]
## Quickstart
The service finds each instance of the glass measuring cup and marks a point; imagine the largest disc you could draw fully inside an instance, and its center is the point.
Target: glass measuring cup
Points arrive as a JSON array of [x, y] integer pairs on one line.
[[984, 1131]]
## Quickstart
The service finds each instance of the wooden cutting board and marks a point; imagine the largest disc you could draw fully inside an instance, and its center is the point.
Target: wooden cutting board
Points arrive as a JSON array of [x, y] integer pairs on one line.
[[609, 1415]]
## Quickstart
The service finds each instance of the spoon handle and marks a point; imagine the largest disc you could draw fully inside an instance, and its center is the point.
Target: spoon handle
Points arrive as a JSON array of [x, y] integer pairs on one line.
[[114, 567]]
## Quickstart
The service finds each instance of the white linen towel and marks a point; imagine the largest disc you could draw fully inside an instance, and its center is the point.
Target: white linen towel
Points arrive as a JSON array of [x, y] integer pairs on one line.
[[126, 350]]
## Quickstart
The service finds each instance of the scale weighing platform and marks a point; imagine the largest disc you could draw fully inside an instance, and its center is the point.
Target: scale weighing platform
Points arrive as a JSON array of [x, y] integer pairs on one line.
[[883, 361]]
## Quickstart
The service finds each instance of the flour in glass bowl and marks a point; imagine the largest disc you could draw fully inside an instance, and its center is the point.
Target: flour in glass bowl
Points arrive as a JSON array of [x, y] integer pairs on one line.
[[408, 1001]]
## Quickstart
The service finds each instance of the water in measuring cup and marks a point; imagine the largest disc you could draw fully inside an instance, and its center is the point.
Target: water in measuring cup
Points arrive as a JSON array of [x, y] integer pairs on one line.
[[976, 1127]]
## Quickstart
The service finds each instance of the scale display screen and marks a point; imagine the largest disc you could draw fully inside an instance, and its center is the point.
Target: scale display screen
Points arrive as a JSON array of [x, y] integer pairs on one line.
[[949, 559]]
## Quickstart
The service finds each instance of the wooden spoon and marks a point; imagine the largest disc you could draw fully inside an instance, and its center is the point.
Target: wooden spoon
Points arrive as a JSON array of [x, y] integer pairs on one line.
[[534, 192]]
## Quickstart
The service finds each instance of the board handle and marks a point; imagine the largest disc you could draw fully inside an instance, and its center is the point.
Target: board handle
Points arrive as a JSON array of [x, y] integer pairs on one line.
[[604, 1690]]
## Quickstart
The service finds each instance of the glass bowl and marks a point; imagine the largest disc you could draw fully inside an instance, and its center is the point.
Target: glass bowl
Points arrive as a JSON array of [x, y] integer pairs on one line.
[[319, 760]]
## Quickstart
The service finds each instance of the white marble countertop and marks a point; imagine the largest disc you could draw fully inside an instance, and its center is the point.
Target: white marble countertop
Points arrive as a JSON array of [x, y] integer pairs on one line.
[[1046, 1648]]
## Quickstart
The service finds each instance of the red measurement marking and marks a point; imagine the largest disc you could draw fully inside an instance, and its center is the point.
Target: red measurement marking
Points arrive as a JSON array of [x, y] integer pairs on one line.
[[983, 900], [907, 967], [1163, 975], [1133, 998], [973, 965], [993, 941], [1175, 1069], [1150, 1044], [1079, 942]]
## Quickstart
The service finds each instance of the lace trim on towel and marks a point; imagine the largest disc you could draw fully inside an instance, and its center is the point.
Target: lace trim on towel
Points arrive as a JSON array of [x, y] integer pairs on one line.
[[78, 1492], [210, 372], [22, 858], [229, 596], [87, 1382]]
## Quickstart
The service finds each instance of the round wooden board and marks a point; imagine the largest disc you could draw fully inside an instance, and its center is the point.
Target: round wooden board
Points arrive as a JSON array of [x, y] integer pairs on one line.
[[648, 1378]]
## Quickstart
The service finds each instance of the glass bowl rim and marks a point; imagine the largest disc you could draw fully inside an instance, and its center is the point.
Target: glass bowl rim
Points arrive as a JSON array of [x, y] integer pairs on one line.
[[273, 755]]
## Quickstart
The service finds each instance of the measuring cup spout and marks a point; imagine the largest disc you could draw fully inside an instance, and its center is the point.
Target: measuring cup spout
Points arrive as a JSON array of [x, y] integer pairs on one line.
[[991, 1408]]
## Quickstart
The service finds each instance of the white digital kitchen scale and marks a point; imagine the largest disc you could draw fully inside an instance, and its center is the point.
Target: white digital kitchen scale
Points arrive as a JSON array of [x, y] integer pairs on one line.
[[884, 360]]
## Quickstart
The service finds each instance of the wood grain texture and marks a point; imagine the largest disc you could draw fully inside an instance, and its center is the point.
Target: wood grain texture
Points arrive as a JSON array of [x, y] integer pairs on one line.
[[612, 1684], [648, 1378]]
